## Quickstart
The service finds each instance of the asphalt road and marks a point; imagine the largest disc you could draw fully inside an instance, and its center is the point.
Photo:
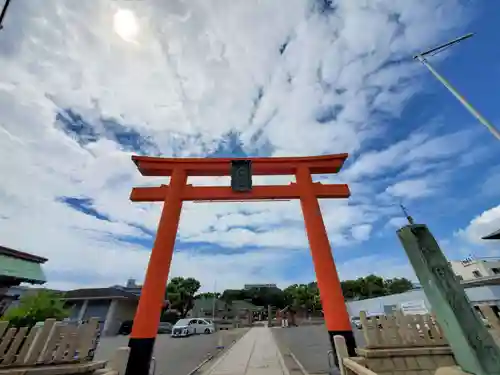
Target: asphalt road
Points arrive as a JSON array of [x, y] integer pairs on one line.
[[310, 345], [174, 356]]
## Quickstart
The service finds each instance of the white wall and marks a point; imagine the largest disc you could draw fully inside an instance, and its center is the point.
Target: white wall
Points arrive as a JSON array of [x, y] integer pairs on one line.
[[481, 294], [123, 310]]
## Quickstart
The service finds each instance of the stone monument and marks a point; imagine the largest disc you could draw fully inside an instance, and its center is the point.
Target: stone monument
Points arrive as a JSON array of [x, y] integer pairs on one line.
[[473, 347]]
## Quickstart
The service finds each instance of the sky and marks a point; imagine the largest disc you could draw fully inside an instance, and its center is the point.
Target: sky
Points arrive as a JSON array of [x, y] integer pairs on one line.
[[84, 85]]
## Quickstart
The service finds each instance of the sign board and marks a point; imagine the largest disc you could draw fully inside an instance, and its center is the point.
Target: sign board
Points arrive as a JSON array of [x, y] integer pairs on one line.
[[241, 175], [414, 307]]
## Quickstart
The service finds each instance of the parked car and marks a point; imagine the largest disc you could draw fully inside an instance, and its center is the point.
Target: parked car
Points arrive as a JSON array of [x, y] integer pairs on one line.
[[165, 327], [188, 327], [126, 327], [356, 322]]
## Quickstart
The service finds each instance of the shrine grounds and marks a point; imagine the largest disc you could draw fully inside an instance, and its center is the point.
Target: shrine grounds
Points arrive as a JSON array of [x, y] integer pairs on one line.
[[180, 356]]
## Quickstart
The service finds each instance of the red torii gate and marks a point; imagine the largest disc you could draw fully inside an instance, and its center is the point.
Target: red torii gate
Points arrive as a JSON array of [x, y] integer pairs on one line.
[[153, 291]]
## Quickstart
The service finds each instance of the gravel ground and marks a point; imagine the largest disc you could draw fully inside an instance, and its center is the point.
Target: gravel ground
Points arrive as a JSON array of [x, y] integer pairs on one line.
[[175, 356], [310, 345]]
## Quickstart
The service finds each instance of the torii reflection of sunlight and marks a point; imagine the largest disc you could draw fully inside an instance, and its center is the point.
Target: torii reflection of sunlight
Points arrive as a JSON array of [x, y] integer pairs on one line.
[[125, 25]]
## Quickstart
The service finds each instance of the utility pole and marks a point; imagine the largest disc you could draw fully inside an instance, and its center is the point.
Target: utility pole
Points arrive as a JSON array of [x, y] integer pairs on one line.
[[421, 57], [214, 301], [4, 11]]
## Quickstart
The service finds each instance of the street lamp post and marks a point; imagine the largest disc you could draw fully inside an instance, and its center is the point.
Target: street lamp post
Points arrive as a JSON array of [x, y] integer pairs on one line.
[[4, 11], [214, 301], [421, 57]]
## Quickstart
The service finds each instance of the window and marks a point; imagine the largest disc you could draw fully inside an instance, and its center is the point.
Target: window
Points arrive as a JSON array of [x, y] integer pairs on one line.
[[201, 322], [495, 270], [476, 273]]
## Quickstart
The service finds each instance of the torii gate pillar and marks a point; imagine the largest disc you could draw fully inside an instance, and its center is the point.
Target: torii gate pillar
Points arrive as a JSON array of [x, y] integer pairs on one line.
[[332, 300], [147, 318]]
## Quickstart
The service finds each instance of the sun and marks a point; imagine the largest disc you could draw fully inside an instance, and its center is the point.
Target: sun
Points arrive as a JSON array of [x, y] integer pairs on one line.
[[125, 25]]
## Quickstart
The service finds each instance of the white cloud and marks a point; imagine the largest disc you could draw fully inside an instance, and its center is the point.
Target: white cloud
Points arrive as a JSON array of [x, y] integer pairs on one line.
[[480, 226], [410, 189], [397, 222], [197, 72], [361, 232], [418, 154]]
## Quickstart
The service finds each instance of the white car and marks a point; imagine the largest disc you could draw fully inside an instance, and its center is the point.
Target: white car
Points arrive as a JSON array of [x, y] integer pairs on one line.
[[187, 327], [356, 322]]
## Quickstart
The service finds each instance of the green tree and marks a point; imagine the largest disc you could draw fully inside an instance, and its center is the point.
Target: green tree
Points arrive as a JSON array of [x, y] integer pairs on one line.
[[34, 308], [373, 286], [230, 295], [303, 296], [398, 285], [180, 293], [207, 295]]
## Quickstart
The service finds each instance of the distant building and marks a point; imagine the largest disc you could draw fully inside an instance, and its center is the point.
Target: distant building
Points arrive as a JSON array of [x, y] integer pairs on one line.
[[112, 306], [17, 267], [258, 286], [476, 268], [480, 278], [219, 309], [210, 307]]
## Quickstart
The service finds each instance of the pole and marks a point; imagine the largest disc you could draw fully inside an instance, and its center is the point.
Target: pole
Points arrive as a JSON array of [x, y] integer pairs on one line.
[[421, 57], [330, 290], [147, 317], [4, 11], [460, 98], [214, 301]]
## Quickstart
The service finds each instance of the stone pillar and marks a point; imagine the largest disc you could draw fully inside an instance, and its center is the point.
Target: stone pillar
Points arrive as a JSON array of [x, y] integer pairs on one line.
[[81, 313], [473, 347], [109, 317]]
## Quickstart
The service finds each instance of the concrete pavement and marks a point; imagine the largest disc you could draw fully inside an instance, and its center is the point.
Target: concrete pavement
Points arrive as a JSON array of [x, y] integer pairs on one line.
[[310, 345], [175, 356], [256, 353]]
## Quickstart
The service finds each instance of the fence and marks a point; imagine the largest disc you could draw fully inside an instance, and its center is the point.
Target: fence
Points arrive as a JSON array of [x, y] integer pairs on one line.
[[401, 331], [53, 343], [410, 331], [403, 344]]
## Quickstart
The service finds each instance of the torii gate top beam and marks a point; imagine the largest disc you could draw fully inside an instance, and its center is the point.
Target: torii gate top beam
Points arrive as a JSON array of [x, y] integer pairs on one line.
[[155, 166]]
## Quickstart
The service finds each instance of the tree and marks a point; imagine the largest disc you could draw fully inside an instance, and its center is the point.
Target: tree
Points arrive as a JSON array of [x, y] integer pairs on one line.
[[35, 308], [180, 293], [398, 285], [208, 295], [373, 286], [230, 295], [303, 296]]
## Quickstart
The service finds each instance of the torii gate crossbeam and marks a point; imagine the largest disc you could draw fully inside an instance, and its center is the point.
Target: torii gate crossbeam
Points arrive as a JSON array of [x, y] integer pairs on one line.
[[147, 317]]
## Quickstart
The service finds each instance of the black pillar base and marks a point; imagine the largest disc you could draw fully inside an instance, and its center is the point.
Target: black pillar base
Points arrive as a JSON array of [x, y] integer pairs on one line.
[[349, 341], [141, 352]]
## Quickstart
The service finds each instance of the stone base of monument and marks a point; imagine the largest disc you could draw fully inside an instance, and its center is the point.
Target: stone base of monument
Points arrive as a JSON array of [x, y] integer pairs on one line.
[[402, 345]]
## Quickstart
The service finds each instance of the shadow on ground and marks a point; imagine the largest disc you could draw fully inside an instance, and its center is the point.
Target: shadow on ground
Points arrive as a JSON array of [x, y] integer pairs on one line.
[[175, 356], [310, 345]]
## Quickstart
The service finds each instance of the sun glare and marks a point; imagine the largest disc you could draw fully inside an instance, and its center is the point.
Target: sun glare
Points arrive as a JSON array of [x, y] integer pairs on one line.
[[125, 25]]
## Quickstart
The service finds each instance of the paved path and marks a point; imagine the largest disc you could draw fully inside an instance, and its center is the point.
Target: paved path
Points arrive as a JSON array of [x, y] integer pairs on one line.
[[310, 345], [175, 356], [256, 353]]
